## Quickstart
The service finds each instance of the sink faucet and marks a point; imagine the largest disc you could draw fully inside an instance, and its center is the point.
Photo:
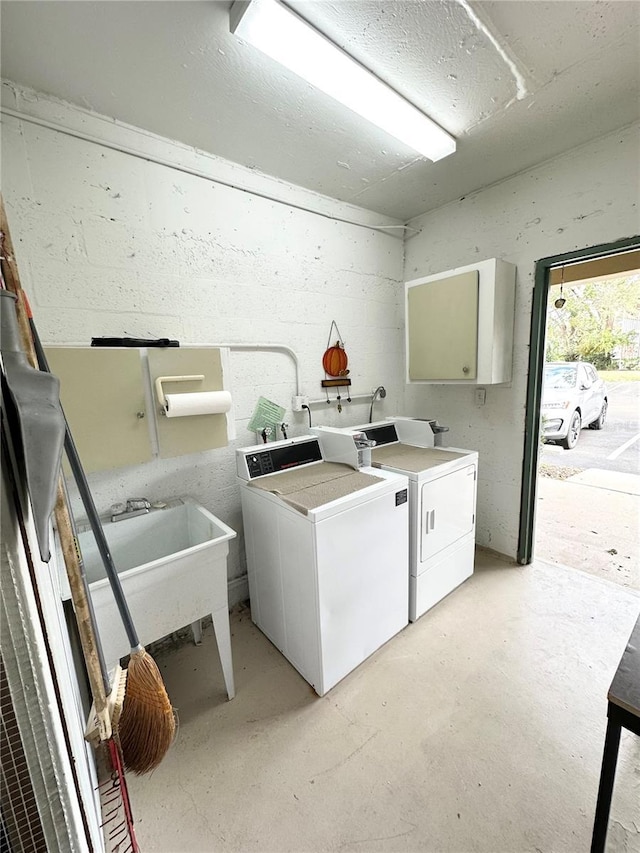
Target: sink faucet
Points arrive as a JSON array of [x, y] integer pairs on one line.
[[133, 507]]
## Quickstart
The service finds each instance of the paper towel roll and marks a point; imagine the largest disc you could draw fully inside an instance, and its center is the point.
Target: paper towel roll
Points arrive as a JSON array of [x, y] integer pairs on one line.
[[199, 403]]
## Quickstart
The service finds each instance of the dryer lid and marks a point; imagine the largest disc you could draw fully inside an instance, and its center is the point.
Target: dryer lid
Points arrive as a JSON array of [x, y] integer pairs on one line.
[[406, 457]]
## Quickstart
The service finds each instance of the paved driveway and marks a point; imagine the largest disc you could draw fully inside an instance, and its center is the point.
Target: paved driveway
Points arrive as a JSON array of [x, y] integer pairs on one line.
[[588, 498], [616, 447]]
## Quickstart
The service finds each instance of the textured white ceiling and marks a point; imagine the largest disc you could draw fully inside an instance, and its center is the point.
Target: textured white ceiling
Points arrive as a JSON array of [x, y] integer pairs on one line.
[[515, 82]]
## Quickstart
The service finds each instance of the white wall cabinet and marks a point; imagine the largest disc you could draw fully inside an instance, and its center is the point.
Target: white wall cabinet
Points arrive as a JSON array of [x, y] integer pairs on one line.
[[459, 325], [109, 399]]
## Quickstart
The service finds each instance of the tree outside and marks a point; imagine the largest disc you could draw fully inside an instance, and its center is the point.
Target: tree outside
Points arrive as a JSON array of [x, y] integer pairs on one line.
[[599, 323], [587, 509]]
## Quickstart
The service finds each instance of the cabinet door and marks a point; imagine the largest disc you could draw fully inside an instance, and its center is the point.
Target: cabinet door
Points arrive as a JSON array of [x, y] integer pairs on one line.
[[102, 393], [442, 325], [447, 510], [194, 434]]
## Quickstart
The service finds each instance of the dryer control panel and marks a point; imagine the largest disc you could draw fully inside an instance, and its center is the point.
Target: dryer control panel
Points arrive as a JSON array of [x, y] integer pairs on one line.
[[384, 434]]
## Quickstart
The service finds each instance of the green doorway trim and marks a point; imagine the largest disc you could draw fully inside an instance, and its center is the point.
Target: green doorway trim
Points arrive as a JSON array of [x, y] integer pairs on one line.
[[534, 384]]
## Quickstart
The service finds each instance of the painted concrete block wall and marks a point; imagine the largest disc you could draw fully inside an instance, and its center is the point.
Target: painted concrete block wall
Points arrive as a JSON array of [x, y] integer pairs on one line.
[[109, 244], [585, 197]]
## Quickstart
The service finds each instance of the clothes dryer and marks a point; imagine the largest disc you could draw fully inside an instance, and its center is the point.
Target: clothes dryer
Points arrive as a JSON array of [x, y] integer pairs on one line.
[[442, 502]]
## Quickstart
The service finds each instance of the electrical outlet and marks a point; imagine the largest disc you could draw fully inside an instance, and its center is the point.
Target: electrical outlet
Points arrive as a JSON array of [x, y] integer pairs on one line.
[[298, 402], [481, 396]]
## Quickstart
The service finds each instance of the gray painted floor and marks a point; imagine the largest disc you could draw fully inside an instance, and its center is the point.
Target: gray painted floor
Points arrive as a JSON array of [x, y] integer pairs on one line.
[[479, 728]]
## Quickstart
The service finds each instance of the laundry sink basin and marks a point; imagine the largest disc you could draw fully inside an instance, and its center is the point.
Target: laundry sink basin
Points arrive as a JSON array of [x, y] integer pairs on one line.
[[172, 565]]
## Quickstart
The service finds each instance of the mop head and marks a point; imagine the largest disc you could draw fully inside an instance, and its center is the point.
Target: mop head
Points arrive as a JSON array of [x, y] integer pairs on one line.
[[147, 725]]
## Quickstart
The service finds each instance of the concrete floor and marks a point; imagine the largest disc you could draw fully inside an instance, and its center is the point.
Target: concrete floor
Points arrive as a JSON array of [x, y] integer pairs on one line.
[[479, 728], [590, 522]]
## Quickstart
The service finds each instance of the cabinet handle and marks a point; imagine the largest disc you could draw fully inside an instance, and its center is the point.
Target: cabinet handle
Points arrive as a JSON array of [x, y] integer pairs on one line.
[[465, 369]]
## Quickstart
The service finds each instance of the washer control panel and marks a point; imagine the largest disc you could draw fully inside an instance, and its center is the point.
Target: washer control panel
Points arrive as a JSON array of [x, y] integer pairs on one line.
[[256, 462], [259, 464]]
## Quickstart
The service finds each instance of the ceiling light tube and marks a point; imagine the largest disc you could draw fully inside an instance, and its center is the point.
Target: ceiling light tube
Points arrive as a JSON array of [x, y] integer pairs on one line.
[[282, 35]]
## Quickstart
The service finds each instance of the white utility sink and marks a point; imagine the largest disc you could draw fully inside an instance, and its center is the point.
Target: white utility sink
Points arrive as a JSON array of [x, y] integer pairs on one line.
[[172, 564]]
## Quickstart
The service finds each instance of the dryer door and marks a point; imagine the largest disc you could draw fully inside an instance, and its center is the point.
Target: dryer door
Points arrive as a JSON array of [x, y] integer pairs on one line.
[[447, 510]]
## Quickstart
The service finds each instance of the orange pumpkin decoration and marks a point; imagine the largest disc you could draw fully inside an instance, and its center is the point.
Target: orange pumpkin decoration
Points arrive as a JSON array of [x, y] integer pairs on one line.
[[335, 361]]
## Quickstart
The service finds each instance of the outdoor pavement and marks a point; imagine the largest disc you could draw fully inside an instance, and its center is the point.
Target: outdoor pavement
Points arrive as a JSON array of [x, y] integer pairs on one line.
[[591, 522]]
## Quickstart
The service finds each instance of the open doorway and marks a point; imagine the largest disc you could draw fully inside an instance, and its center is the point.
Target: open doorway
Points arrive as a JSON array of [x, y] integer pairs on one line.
[[588, 497], [581, 485]]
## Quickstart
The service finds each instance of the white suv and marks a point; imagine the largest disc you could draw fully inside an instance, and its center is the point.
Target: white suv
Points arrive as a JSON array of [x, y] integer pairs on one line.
[[573, 396]]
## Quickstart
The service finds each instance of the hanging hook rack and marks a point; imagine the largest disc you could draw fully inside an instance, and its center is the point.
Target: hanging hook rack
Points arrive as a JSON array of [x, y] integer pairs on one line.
[[334, 362], [334, 325]]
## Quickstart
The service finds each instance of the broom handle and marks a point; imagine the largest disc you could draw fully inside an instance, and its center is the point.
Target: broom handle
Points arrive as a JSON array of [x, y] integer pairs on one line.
[[85, 616], [90, 508], [78, 585]]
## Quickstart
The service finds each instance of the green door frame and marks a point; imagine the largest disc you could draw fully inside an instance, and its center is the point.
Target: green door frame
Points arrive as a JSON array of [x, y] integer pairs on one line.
[[534, 384]]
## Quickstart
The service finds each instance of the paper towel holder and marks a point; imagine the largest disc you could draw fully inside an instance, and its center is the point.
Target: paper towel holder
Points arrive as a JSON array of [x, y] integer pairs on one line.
[[160, 390]]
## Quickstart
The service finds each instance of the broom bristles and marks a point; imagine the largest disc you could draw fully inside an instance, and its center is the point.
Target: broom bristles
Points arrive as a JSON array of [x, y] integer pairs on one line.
[[147, 725]]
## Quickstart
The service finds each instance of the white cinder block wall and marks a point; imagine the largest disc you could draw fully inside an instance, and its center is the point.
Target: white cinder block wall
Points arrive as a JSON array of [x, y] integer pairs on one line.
[[583, 198], [109, 244]]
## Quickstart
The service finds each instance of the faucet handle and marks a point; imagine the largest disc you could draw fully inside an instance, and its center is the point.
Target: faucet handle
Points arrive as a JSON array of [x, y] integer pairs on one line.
[[137, 503]]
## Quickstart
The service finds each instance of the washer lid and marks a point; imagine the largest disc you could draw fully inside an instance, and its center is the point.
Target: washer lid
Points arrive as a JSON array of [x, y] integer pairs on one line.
[[312, 486]]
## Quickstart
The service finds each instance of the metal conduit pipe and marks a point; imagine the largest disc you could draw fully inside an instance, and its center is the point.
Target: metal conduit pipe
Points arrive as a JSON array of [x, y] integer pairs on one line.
[[264, 348], [248, 348], [198, 173]]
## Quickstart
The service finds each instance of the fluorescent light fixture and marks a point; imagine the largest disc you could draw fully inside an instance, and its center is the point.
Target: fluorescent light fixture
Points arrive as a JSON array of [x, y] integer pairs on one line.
[[282, 35]]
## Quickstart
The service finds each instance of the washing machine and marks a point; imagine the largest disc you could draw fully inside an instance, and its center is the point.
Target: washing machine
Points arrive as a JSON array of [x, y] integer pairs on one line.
[[327, 547], [442, 502]]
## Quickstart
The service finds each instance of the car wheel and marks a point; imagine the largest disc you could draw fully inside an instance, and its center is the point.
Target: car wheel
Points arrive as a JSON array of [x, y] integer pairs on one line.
[[599, 421], [574, 431]]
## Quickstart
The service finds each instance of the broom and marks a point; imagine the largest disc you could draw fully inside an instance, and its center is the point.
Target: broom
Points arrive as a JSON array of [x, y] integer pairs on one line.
[[114, 796], [146, 727], [118, 825]]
